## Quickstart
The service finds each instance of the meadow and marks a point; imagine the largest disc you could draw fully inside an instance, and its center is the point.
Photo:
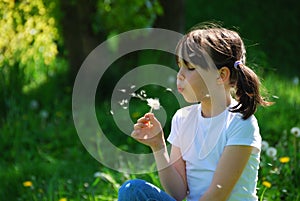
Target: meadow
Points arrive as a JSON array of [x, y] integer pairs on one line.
[[42, 157]]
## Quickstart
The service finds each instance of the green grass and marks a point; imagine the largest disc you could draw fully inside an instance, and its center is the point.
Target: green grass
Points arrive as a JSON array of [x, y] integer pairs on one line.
[[45, 151]]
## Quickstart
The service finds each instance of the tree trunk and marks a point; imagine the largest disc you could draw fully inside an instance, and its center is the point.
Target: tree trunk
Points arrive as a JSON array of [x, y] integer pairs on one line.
[[79, 39], [173, 16]]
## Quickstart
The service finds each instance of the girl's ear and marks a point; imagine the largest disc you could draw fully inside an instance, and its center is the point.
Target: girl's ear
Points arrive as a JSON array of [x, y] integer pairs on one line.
[[224, 77]]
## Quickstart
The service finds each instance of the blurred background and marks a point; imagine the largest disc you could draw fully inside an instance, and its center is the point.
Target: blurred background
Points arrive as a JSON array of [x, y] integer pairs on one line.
[[43, 43]]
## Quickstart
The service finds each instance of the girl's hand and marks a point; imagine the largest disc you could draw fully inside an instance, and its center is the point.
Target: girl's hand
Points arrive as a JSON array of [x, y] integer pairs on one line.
[[148, 131]]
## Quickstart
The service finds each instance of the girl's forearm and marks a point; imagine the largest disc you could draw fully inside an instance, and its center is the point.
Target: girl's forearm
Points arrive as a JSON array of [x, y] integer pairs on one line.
[[169, 177]]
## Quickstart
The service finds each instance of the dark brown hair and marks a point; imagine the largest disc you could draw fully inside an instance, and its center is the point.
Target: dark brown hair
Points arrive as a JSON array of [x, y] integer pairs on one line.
[[224, 47]]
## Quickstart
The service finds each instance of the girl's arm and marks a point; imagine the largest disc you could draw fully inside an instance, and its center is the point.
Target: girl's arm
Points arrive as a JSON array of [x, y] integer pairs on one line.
[[229, 170], [172, 172], [171, 168]]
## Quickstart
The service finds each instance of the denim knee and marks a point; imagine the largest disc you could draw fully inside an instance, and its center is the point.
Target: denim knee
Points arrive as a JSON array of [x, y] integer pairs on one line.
[[130, 187], [140, 190]]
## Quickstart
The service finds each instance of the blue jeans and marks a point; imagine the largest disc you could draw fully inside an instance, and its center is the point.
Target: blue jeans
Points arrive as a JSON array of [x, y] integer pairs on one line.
[[140, 190]]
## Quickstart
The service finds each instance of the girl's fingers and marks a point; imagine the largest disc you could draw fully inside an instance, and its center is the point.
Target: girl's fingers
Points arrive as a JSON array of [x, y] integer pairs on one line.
[[139, 125], [151, 118], [143, 119]]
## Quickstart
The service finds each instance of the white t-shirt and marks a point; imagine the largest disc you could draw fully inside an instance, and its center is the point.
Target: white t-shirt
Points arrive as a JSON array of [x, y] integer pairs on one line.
[[202, 141]]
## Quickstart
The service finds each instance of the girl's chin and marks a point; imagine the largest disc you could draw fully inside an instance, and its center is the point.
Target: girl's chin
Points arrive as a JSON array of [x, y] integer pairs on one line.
[[190, 100]]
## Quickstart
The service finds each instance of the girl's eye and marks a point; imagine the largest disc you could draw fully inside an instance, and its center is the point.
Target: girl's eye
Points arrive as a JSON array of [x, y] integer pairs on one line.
[[191, 68]]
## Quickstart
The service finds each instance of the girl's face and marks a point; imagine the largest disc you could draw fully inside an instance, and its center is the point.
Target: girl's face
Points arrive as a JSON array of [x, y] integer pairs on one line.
[[190, 83]]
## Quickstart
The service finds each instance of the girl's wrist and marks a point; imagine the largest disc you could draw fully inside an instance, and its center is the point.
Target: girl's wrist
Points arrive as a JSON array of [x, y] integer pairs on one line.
[[159, 147]]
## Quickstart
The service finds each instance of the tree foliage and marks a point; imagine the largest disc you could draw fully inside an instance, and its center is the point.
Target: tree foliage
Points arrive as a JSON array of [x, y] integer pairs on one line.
[[116, 16], [29, 37]]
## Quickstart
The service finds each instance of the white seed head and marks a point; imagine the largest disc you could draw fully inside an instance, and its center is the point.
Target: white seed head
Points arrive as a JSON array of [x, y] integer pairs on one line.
[[295, 131], [153, 103]]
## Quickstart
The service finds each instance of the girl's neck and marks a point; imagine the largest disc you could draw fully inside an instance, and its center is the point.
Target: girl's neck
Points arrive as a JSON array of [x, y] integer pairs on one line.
[[211, 108]]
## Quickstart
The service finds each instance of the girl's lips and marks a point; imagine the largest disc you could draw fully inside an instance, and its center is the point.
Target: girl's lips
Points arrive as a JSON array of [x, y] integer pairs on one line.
[[179, 89]]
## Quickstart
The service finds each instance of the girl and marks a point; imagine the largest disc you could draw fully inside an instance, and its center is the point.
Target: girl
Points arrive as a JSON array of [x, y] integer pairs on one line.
[[215, 144]]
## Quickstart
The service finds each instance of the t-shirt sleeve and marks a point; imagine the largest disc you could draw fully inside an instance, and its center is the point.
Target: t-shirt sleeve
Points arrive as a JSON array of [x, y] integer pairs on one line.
[[244, 132], [174, 134]]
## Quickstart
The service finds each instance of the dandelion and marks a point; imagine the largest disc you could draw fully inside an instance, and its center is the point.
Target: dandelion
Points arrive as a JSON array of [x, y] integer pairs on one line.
[[266, 184], [284, 159], [33, 104], [264, 145], [295, 131], [44, 114], [296, 80], [27, 184], [135, 115], [271, 152], [97, 174], [153, 103], [63, 199]]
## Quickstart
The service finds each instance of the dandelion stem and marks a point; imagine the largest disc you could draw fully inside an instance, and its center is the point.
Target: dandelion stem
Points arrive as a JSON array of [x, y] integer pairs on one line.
[[151, 110], [262, 194]]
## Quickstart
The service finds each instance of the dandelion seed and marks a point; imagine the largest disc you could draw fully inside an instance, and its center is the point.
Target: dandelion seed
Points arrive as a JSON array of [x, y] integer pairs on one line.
[[169, 89], [264, 145], [140, 97], [219, 186], [271, 152], [133, 94], [111, 112], [276, 97], [122, 90], [153, 103], [27, 184], [123, 102], [125, 107], [132, 86], [285, 159], [142, 92], [266, 184], [295, 131]]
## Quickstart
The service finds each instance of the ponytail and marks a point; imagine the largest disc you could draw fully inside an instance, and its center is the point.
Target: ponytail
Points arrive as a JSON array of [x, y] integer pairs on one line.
[[247, 91]]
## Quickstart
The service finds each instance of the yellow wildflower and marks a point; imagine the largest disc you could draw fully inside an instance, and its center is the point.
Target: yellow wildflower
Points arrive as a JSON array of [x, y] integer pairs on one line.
[[267, 184], [27, 184], [135, 115], [285, 159], [63, 199]]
